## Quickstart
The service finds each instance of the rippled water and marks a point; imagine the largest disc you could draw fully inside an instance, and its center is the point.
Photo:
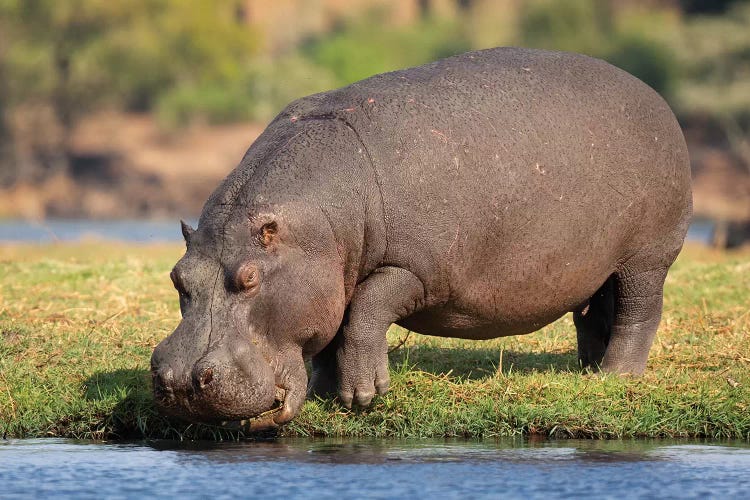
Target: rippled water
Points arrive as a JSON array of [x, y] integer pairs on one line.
[[374, 469]]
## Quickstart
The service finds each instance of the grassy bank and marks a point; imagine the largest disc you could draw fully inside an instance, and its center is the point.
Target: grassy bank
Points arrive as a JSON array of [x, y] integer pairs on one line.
[[78, 323]]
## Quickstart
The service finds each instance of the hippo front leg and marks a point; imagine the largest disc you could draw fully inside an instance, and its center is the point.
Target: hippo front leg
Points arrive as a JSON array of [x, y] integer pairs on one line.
[[386, 296]]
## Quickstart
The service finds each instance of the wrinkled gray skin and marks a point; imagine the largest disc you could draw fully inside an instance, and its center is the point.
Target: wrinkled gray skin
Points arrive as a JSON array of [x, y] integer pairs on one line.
[[479, 196]]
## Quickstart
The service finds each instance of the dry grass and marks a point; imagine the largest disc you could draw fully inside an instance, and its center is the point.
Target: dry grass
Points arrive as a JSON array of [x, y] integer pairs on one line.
[[78, 323]]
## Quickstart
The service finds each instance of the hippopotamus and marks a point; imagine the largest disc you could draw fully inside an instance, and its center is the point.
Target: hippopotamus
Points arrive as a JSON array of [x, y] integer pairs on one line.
[[479, 196]]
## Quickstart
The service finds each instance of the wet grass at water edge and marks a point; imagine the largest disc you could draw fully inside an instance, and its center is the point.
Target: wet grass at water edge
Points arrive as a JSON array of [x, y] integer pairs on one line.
[[78, 323]]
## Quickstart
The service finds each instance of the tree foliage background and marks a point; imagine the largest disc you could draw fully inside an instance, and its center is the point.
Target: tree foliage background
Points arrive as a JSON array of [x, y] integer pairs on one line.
[[200, 60]]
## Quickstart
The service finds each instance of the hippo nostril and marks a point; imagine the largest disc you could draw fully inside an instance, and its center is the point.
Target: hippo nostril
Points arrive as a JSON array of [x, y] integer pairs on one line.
[[162, 382], [205, 378]]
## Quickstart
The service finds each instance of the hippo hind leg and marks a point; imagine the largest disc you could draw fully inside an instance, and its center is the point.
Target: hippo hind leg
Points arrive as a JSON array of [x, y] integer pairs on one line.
[[638, 298], [593, 321], [618, 324]]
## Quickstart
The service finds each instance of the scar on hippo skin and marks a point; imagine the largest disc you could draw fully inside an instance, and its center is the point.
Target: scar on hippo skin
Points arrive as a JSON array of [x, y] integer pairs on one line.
[[361, 207]]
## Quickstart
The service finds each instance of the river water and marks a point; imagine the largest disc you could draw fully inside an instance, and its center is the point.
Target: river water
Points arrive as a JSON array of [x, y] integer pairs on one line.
[[40, 468], [137, 231]]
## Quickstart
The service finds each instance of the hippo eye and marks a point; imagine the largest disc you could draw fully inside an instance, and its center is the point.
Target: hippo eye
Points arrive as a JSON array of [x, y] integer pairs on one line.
[[247, 278]]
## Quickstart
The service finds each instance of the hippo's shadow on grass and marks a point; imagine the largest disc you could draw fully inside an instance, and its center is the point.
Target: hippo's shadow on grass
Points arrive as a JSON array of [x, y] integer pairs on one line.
[[130, 392], [102, 386], [476, 364]]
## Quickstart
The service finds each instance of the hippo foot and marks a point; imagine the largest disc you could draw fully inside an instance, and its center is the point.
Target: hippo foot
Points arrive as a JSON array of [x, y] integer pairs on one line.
[[632, 305], [356, 388]]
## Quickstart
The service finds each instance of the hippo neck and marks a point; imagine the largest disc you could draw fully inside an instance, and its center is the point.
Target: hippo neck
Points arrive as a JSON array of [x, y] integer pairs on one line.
[[358, 226], [344, 185], [352, 202]]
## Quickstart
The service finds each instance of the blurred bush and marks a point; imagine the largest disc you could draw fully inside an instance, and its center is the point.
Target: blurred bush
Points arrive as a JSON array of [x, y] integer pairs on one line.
[[572, 25], [590, 27], [202, 60], [71, 57], [261, 90], [714, 52], [651, 62], [170, 45], [364, 47]]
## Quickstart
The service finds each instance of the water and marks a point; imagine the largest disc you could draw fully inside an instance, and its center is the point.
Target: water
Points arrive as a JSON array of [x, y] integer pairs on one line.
[[701, 231], [374, 469], [139, 231], [148, 231]]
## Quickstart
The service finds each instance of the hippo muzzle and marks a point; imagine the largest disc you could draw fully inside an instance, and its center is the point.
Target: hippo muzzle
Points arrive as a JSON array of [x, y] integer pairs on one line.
[[229, 382]]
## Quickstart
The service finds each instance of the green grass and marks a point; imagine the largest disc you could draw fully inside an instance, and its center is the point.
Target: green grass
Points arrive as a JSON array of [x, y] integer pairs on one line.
[[78, 324]]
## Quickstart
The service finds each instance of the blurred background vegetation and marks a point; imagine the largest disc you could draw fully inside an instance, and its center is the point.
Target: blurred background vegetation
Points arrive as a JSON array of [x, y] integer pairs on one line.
[[106, 103]]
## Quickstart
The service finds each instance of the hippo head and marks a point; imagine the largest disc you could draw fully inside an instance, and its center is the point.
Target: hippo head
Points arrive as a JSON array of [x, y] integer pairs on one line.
[[259, 291]]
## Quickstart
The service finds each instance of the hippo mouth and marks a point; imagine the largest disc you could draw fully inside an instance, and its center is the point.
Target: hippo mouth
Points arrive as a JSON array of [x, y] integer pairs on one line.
[[262, 421], [186, 407]]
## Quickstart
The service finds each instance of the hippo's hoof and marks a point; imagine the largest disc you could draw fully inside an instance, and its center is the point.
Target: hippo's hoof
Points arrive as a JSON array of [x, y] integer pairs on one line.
[[363, 392]]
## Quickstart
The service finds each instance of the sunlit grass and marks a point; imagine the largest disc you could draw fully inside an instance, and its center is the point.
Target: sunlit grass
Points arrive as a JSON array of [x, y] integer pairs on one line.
[[78, 323]]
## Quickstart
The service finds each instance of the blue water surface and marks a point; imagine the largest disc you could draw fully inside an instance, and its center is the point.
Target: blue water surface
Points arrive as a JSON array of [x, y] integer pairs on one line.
[[137, 231], [54, 468]]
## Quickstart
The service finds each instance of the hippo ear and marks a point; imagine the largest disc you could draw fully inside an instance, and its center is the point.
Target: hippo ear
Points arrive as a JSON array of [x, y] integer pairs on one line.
[[187, 231], [268, 233]]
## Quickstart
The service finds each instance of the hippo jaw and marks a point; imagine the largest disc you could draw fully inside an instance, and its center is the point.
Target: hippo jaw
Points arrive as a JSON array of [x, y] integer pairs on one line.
[[237, 376], [187, 409]]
